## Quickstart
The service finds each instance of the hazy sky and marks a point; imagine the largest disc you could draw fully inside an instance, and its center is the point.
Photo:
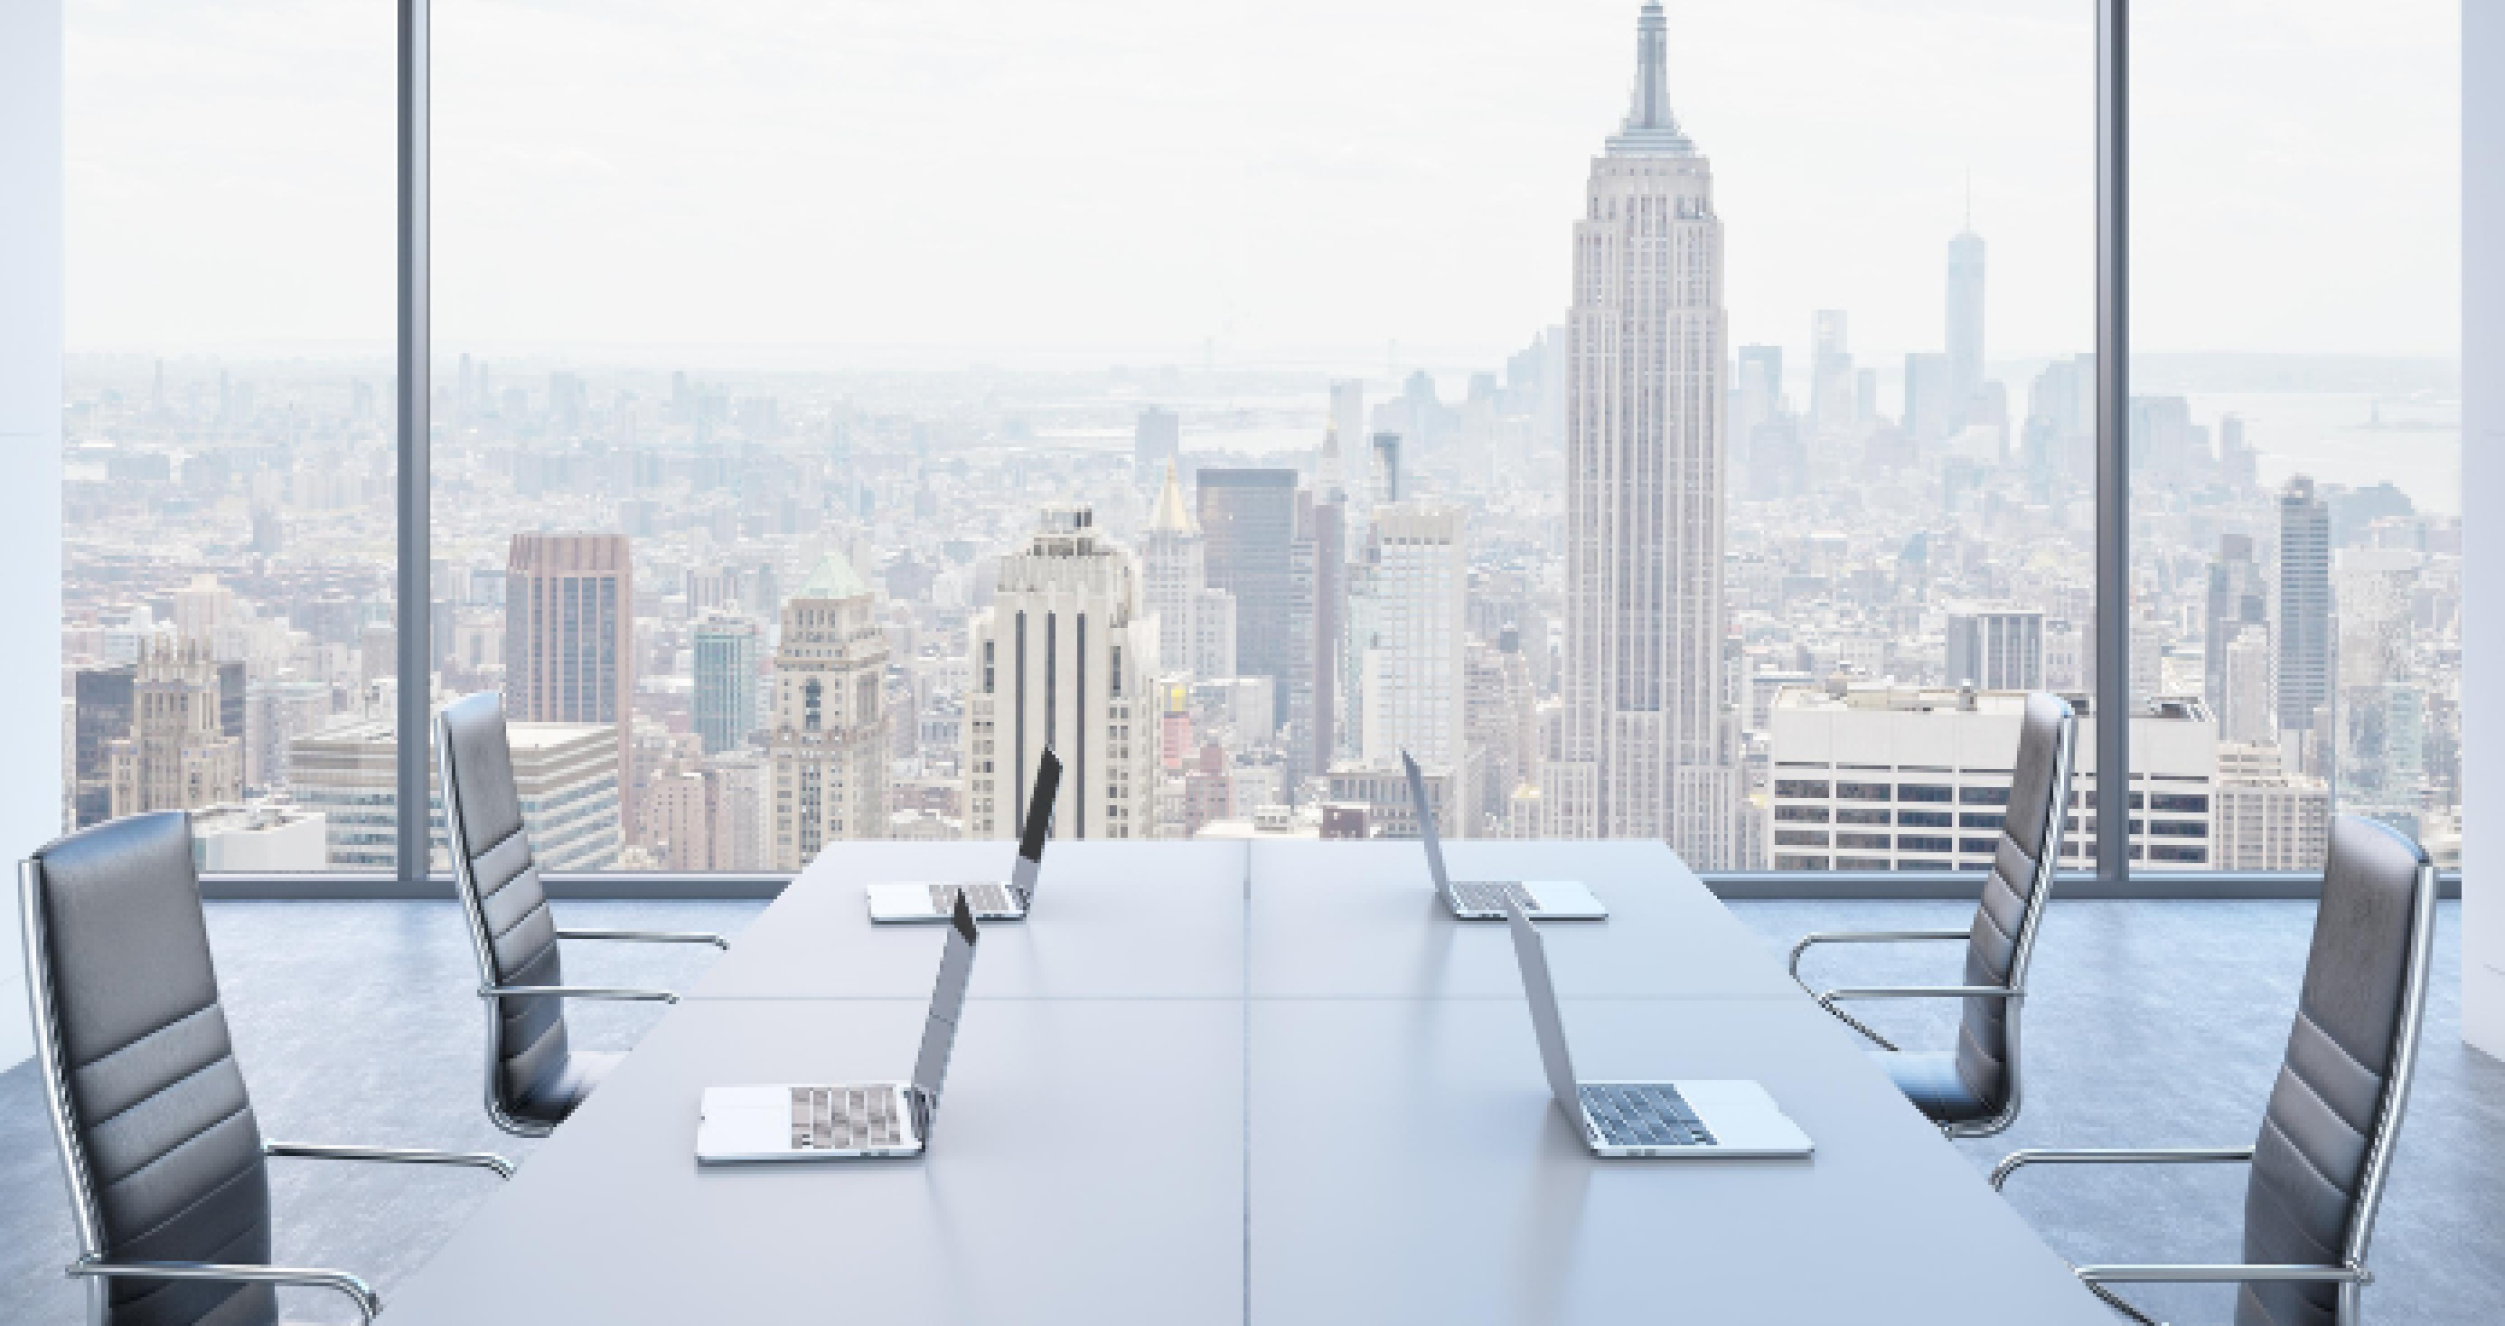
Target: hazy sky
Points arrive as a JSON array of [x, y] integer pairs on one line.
[[1126, 178]]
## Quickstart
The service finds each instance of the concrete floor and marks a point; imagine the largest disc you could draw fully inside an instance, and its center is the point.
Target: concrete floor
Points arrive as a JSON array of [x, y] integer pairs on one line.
[[2153, 1024]]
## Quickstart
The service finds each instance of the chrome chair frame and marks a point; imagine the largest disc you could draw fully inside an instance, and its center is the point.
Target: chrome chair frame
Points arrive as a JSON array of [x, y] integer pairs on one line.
[[2350, 1273], [456, 839], [92, 1265], [2040, 892]]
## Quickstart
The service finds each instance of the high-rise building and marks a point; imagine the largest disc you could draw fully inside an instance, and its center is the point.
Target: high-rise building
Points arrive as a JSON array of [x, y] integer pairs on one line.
[[1318, 562], [2238, 597], [1834, 402], [1409, 634], [1059, 659], [1996, 648], [2306, 648], [729, 651], [177, 754], [565, 773], [1156, 444], [1248, 524], [1903, 778], [1932, 408], [829, 739], [2246, 712], [2267, 818], [103, 698], [1648, 747], [1965, 322], [710, 817], [569, 641], [1195, 623], [1348, 420]]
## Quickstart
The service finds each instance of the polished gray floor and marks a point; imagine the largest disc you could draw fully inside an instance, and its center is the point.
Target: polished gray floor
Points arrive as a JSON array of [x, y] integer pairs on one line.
[[2154, 1024]]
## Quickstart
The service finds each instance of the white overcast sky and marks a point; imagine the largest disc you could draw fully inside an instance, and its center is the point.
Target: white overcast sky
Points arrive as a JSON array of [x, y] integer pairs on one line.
[[875, 179]]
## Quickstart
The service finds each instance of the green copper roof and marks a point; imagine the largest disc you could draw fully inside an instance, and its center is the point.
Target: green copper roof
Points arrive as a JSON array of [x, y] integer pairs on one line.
[[834, 579]]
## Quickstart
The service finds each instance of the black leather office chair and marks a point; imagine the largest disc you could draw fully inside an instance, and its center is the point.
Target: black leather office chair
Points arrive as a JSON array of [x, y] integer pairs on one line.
[[535, 1076], [1973, 1090], [167, 1168], [2335, 1111]]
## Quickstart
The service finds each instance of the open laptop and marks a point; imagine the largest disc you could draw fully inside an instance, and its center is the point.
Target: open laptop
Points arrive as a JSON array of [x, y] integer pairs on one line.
[[802, 1122], [1484, 900], [1675, 1120], [992, 900]]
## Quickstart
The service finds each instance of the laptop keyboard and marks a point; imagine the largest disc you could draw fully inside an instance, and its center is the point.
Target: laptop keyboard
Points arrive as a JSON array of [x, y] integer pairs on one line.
[[1643, 1115], [847, 1118], [985, 899], [1483, 896]]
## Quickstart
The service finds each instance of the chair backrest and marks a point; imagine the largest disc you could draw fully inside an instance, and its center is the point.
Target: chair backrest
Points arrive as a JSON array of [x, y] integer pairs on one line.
[[511, 928], [2012, 908], [156, 1132], [2326, 1140]]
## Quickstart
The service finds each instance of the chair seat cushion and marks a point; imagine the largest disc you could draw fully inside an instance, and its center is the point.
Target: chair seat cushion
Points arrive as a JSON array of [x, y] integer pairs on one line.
[[568, 1083], [1930, 1080]]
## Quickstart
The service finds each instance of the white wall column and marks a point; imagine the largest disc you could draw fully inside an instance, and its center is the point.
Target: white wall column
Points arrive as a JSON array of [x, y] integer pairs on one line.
[[30, 466], [2483, 492]]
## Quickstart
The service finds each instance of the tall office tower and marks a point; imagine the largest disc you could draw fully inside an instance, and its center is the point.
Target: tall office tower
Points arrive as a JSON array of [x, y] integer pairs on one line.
[[569, 635], [1758, 398], [1931, 411], [1195, 623], [178, 755], [1248, 523], [565, 773], [711, 817], [1965, 321], [1157, 444], [2244, 706], [1647, 751], [2238, 463], [1832, 391], [1413, 637], [729, 651], [1386, 468], [2306, 648], [829, 740], [1317, 611], [2238, 597], [1348, 420], [1502, 719], [103, 698], [1996, 649], [1060, 659]]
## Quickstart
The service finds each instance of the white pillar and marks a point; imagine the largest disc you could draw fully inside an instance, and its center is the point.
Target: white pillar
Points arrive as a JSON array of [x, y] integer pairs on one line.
[[2483, 490], [30, 465]]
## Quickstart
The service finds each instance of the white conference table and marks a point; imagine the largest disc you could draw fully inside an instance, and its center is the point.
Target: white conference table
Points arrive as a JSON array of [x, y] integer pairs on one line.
[[1229, 1082]]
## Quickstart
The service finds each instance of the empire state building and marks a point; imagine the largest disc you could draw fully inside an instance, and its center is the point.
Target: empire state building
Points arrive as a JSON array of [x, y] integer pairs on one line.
[[1647, 751]]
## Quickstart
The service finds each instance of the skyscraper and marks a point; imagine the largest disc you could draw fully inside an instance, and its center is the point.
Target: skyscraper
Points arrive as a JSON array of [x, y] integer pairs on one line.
[[1646, 750], [569, 642], [1248, 519], [829, 742], [1832, 403], [728, 650], [2238, 597], [1058, 660], [177, 755], [2306, 649], [1156, 443], [1996, 648], [1965, 322], [1195, 623], [1417, 571]]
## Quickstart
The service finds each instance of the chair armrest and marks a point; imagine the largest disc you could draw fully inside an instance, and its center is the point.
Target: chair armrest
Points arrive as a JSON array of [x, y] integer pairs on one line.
[[2225, 1272], [1869, 937], [573, 992], [2180, 1155], [397, 1155], [368, 1303], [649, 936], [1924, 992]]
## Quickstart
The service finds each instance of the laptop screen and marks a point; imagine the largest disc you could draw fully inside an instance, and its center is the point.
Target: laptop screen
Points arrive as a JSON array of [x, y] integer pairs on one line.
[[1532, 953], [1039, 810], [1426, 824], [939, 1029]]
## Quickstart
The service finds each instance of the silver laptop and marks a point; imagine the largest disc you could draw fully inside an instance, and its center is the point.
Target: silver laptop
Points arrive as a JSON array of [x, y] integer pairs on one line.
[[1484, 899], [992, 900], [802, 1122], [1677, 1120]]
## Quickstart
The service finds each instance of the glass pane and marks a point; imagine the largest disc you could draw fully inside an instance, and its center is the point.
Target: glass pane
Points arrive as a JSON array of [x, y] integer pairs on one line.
[[228, 504], [805, 421], [2296, 441]]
